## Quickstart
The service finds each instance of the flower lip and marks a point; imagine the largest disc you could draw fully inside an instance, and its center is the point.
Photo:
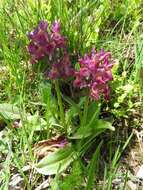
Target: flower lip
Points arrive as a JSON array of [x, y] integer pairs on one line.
[[56, 27]]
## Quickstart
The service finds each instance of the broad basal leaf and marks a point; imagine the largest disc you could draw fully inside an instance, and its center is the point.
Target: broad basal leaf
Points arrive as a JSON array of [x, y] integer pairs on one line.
[[56, 161], [101, 124], [9, 111], [93, 128]]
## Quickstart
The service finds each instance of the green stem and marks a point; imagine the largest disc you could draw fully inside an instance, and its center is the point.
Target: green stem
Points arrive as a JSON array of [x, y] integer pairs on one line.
[[84, 117], [62, 117]]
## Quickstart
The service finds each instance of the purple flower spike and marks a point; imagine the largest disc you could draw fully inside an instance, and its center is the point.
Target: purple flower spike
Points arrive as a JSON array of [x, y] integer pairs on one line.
[[95, 74], [45, 44]]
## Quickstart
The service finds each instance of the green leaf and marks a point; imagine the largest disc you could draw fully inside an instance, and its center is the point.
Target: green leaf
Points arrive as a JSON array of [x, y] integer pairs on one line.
[[36, 122], [45, 90], [94, 127], [101, 124], [93, 111], [9, 111], [73, 105], [56, 162], [93, 168]]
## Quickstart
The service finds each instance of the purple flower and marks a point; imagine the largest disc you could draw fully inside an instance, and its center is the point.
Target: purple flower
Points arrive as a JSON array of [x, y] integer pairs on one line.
[[52, 48], [56, 27], [43, 43], [95, 74], [60, 41], [43, 25], [54, 72], [38, 41], [56, 36], [32, 48], [61, 69]]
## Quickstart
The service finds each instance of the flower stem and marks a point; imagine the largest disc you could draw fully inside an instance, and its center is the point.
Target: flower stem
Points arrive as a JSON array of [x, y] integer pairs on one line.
[[84, 117], [62, 117]]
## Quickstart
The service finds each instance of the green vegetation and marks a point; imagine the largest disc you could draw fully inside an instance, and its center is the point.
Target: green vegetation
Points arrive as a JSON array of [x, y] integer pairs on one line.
[[71, 93]]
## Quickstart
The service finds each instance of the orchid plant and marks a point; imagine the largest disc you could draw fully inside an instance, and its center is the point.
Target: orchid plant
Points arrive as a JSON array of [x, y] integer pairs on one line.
[[92, 76]]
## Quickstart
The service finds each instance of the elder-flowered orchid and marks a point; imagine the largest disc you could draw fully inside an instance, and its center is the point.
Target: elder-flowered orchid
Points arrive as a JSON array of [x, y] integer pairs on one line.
[[51, 46], [95, 74]]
